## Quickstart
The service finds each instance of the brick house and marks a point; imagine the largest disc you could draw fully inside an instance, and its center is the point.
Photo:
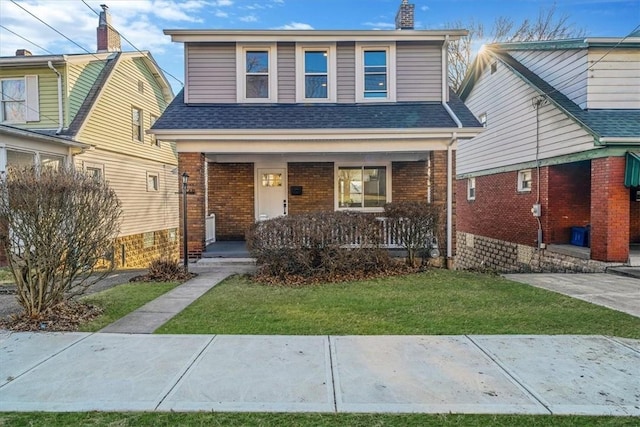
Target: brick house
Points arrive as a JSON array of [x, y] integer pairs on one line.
[[552, 183], [280, 122]]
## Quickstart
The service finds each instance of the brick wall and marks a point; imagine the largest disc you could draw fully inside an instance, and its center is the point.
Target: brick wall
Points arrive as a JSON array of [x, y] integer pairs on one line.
[[232, 198], [193, 164], [409, 181], [316, 180], [609, 210], [499, 211], [569, 200], [634, 221]]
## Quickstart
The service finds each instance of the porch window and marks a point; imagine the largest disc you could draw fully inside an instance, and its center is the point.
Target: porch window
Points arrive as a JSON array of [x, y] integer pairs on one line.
[[51, 161], [362, 187], [524, 180]]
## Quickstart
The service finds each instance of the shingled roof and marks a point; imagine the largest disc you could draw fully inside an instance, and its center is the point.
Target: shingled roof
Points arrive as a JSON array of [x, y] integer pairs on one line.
[[401, 115], [602, 123]]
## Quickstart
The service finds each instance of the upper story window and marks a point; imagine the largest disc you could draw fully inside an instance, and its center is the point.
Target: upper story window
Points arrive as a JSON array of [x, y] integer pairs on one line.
[[375, 72], [136, 124], [257, 73], [483, 120], [152, 120], [19, 100], [316, 80], [471, 189]]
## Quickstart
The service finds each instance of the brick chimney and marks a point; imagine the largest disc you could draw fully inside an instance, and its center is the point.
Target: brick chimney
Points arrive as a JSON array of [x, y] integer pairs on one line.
[[108, 37], [23, 52], [404, 17]]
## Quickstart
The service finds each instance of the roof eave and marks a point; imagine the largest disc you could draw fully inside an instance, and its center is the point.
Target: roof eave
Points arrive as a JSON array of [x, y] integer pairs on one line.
[[42, 137]]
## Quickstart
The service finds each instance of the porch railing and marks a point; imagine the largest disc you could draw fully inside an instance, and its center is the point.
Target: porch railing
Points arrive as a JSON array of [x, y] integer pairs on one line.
[[210, 228]]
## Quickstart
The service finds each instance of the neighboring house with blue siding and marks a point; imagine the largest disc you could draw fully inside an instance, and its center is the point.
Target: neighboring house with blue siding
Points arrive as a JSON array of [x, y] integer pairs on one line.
[[92, 111], [279, 122], [554, 181]]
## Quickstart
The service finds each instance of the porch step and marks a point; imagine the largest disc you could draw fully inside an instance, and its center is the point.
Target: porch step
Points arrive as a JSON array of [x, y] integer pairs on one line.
[[223, 261]]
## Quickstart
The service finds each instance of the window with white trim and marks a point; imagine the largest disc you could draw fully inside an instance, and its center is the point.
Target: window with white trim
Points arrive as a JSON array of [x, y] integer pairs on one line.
[[316, 78], [52, 161], [137, 131], [19, 100], [471, 189], [95, 170], [154, 139], [483, 119], [524, 180], [20, 158], [365, 187], [375, 72], [257, 73], [153, 181]]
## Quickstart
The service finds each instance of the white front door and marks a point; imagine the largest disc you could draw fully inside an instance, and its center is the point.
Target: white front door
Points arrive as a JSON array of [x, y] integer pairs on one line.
[[272, 193]]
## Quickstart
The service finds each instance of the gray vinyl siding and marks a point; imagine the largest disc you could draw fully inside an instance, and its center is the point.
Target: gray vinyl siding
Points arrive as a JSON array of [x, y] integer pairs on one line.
[[510, 137], [565, 70], [286, 72], [211, 72], [346, 70], [614, 78], [418, 71]]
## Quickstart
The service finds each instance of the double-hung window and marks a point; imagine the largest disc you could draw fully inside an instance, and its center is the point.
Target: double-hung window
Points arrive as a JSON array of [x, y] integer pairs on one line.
[[362, 187], [257, 73], [19, 100], [316, 79], [524, 180], [137, 131], [375, 73]]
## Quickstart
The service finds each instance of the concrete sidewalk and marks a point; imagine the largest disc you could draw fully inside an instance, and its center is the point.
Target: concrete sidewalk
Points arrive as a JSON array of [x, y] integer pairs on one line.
[[593, 375], [155, 313]]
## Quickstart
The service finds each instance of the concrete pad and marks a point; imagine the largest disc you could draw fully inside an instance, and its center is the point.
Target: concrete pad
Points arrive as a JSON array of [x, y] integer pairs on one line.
[[586, 375], [105, 372], [433, 374], [258, 373], [631, 343], [138, 322], [608, 290], [21, 351]]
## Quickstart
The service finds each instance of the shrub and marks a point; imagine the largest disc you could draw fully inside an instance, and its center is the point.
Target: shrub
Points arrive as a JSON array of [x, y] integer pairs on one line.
[[166, 270], [55, 229], [321, 246], [415, 227]]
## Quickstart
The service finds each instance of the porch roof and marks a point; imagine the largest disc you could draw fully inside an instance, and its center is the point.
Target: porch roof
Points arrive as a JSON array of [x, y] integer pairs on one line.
[[400, 115]]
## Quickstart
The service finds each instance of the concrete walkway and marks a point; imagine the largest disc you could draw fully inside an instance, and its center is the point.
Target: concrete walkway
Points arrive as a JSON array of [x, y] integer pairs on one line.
[[612, 291], [593, 375], [154, 314]]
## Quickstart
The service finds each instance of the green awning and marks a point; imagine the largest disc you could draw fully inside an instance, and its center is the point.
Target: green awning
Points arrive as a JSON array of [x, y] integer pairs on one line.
[[632, 172]]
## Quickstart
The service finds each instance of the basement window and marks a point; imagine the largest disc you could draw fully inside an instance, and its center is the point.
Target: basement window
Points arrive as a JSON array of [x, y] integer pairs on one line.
[[471, 189], [524, 180]]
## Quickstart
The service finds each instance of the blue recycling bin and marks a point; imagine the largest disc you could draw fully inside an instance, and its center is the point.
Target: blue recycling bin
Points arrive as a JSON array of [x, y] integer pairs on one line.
[[580, 236]]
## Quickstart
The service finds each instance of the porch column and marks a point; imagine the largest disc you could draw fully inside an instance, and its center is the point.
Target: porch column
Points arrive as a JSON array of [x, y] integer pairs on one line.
[[609, 210], [193, 164]]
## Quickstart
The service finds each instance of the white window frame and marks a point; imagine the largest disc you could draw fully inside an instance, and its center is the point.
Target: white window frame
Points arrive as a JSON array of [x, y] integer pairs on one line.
[[390, 48], [521, 181], [157, 181], [332, 79], [483, 119], [154, 139], [336, 180], [140, 124], [31, 99], [94, 166], [471, 188], [241, 75]]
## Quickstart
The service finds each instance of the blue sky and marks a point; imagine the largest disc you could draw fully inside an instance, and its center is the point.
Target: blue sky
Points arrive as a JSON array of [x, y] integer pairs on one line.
[[142, 21]]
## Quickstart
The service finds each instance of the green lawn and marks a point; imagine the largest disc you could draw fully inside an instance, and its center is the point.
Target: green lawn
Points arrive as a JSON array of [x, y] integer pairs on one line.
[[122, 300], [35, 419], [438, 302], [5, 276]]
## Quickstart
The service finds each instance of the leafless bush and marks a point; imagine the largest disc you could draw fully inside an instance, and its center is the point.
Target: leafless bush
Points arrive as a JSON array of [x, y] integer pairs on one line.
[[56, 227], [415, 225], [318, 246], [167, 270]]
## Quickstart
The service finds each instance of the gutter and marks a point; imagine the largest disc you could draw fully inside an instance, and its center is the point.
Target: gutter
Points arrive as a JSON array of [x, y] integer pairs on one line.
[[60, 116], [454, 138], [619, 140]]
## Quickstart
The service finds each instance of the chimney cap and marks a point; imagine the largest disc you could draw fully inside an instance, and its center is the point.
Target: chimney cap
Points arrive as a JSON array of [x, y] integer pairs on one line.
[[104, 7], [23, 52]]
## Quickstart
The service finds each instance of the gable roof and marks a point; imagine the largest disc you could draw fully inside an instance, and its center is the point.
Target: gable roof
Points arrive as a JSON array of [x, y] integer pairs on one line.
[[401, 115], [602, 124]]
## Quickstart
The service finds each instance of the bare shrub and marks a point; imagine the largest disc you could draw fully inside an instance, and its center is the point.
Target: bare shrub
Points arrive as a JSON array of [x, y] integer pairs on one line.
[[321, 246], [415, 226], [167, 270], [56, 228]]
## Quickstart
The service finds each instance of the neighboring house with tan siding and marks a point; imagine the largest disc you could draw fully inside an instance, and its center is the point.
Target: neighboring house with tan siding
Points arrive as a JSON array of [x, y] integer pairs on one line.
[[93, 111], [278, 122], [562, 140]]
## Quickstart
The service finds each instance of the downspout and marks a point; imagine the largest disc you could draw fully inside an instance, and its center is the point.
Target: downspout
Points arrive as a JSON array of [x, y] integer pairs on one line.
[[60, 116]]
